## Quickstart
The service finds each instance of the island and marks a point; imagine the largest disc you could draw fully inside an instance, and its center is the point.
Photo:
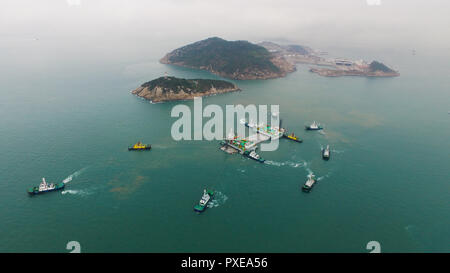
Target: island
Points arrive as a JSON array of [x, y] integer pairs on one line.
[[374, 69], [335, 67], [171, 88], [242, 60], [239, 60]]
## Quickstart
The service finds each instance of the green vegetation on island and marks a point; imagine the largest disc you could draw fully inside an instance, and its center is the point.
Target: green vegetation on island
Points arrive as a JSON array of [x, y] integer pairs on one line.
[[377, 66], [230, 59], [173, 84], [172, 88]]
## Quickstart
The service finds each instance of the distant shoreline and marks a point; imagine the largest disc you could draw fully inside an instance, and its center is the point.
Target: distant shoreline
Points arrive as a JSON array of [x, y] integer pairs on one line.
[[242, 60], [297, 54], [327, 72]]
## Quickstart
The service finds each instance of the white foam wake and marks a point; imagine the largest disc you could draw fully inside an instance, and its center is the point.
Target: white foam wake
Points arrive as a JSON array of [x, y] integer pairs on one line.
[[76, 192], [310, 172], [286, 163], [218, 200], [72, 176]]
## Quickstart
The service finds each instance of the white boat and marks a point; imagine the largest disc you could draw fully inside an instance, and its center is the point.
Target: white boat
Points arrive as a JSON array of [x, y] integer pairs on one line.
[[309, 183], [253, 155], [205, 198], [45, 187], [314, 126], [202, 204], [326, 153]]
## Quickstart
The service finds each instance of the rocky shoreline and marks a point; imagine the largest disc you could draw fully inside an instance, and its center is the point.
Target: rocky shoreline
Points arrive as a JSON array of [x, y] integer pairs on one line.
[[163, 89], [248, 74]]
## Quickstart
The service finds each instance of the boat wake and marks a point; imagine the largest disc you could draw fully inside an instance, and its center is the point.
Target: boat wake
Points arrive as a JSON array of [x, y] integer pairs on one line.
[[311, 172], [321, 178], [76, 192], [286, 163], [72, 176], [218, 200], [308, 169], [332, 150]]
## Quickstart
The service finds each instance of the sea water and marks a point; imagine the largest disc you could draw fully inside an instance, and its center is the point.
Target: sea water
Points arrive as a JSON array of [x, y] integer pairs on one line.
[[71, 120]]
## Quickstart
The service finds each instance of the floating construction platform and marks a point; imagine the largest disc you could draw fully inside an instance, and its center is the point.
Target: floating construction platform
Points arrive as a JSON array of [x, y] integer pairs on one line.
[[266, 130], [262, 133], [239, 144]]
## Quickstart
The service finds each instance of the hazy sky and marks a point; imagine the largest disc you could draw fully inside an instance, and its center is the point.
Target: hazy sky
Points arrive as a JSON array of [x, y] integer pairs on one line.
[[160, 25]]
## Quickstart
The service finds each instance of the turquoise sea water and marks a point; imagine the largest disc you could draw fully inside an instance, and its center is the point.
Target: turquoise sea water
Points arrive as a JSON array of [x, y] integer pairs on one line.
[[388, 179]]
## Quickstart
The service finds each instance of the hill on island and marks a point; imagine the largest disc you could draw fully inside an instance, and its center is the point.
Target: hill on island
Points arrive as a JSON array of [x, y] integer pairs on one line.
[[240, 60], [286, 49], [172, 88], [377, 66]]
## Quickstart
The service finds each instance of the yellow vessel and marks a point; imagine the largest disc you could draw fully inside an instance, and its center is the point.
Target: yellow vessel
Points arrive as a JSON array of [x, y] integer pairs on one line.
[[293, 137], [139, 146]]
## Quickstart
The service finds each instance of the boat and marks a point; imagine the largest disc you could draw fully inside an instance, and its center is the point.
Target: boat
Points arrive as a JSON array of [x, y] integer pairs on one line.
[[314, 127], [293, 137], [206, 198], [248, 124], [46, 187], [140, 147], [309, 183], [253, 155], [326, 153]]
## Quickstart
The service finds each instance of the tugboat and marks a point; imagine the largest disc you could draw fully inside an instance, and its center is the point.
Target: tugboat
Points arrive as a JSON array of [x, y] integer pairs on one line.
[[253, 155], [326, 153], [248, 124], [45, 187], [309, 183], [293, 137], [314, 127], [202, 205], [140, 147]]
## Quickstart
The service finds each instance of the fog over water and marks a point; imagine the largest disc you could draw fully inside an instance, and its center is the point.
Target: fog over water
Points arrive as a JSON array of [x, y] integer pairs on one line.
[[112, 29]]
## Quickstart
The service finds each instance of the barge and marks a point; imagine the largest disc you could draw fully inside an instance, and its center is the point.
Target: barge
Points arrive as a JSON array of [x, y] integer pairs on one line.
[[293, 137]]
